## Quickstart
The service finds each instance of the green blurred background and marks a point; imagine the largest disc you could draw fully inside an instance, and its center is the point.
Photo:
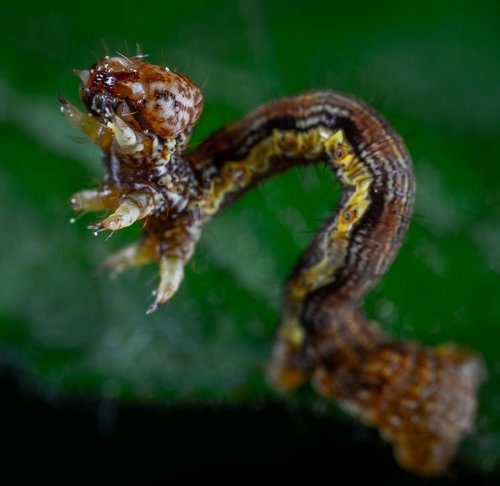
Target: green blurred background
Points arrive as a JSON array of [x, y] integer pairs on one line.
[[432, 68]]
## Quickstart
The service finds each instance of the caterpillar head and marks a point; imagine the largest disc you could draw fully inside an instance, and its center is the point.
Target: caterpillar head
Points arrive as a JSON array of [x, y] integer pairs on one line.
[[161, 101]]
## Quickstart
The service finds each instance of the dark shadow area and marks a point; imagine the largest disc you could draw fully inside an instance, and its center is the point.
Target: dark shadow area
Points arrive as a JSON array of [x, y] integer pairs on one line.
[[42, 436]]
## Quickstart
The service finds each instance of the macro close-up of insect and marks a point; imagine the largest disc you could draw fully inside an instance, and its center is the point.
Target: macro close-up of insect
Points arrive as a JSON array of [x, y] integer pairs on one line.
[[252, 234], [142, 115]]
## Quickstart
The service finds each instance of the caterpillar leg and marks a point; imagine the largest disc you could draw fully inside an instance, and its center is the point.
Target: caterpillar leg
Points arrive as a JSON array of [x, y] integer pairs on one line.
[[175, 250], [128, 207], [86, 123], [171, 264], [89, 200], [134, 255], [132, 207], [171, 267], [171, 276]]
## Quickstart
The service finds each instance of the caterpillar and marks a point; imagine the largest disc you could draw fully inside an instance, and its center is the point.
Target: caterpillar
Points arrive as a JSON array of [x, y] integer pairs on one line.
[[422, 400]]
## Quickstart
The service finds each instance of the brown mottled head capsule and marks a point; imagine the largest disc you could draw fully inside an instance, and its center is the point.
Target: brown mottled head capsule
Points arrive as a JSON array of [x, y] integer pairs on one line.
[[165, 102]]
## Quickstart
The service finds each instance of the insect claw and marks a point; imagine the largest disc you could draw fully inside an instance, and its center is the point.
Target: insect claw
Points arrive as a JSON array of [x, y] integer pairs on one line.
[[96, 227], [152, 308], [114, 222], [62, 99], [171, 275]]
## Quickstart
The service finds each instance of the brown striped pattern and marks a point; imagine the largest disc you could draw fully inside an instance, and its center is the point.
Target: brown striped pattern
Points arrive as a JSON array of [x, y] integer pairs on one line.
[[421, 400]]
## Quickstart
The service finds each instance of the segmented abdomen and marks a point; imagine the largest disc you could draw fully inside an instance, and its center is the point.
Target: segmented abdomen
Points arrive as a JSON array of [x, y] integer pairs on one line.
[[421, 400]]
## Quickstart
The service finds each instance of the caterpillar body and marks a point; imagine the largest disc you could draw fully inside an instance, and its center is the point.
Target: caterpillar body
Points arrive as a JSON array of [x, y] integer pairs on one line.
[[422, 400]]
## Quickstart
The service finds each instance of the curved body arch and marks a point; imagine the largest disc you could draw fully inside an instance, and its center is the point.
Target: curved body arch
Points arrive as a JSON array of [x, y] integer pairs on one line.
[[421, 400]]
